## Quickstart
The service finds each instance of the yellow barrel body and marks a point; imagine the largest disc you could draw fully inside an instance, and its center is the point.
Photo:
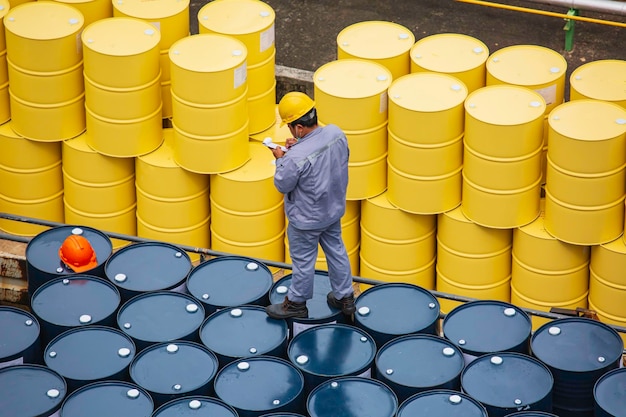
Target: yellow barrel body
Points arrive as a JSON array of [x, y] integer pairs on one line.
[[602, 79], [459, 55], [387, 43], [352, 94], [607, 284], [5, 106], [122, 222], [92, 10], [49, 208]]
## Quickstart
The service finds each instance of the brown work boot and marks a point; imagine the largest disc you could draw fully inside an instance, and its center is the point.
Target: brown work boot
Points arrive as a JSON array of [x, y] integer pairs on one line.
[[346, 304], [287, 309]]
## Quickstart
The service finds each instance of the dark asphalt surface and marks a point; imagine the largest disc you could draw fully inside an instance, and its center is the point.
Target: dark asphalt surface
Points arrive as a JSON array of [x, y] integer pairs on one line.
[[306, 30]]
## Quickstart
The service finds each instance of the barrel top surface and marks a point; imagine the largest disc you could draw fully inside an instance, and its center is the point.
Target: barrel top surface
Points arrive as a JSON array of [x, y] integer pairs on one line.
[[442, 403], [610, 393], [30, 390], [318, 306], [43, 20], [229, 281], [208, 52], [89, 353], [79, 143], [148, 266], [4, 8], [158, 9], [486, 326], [161, 367], [23, 328], [375, 39], [457, 215], [427, 92], [352, 78], [75, 300], [507, 380], [438, 360], [163, 156], [242, 331], [526, 65], [8, 133], [260, 166], [396, 309], [449, 52], [352, 397], [589, 120], [236, 17], [120, 37], [263, 379], [382, 201], [617, 246], [332, 350], [197, 406], [160, 316], [505, 105], [108, 399], [576, 345], [601, 79]]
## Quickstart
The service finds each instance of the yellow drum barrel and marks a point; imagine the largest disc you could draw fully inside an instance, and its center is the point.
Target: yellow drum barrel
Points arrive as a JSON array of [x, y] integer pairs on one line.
[[459, 55], [472, 260], [600, 80], [424, 175], [352, 94], [45, 60], [397, 242], [251, 22], [502, 156], [387, 43], [215, 63], [607, 284], [92, 10], [586, 172], [5, 109]]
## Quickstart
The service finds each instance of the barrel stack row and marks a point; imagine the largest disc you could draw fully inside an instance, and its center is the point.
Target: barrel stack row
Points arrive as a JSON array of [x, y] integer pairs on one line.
[[149, 334]]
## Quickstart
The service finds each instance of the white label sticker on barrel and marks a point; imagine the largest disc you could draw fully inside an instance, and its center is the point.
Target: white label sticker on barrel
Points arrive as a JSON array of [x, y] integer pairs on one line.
[[18, 361], [267, 39], [240, 75], [548, 94]]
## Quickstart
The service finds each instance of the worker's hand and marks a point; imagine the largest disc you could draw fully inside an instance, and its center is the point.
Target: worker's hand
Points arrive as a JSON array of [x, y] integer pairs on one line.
[[290, 142], [278, 153]]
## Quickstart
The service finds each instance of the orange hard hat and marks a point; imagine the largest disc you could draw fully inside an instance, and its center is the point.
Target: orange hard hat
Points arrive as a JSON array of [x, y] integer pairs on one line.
[[76, 252]]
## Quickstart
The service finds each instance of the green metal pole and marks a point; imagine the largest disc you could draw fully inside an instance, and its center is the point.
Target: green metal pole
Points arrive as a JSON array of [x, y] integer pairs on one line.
[[569, 29]]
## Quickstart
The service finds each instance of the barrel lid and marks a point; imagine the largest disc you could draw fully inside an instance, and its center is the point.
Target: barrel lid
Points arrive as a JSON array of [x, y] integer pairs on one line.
[[108, 399], [396, 308], [457, 215], [449, 52], [31, 390], [76, 300], [442, 403], [4, 7], [148, 266], [174, 367], [438, 360], [352, 397], [151, 10], [531, 414], [427, 92], [352, 78], [120, 36], [237, 17], [588, 120], [160, 316], [208, 52], [238, 332], [42, 252], [260, 166], [540, 65], [536, 228], [23, 328], [609, 393], [507, 380], [163, 156], [269, 383], [375, 39], [8, 133], [486, 326], [332, 350], [505, 105], [282, 415], [196, 406], [89, 353], [79, 143], [44, 20], [229, 281], [601, 79], [577, 344], [317, 305], [617, 246]]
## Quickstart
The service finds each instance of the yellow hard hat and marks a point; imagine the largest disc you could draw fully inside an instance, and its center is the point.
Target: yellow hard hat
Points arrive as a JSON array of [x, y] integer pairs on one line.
[[293, 106], [76, 252]]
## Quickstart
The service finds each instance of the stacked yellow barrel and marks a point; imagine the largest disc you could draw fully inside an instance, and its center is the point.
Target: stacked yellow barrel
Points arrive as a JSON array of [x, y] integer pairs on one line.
[[209, 103], [172, 203], [599, 80], [251, 22], [426, 124], [171, 19], [352, 94], [92, 10], [45, 70], [5, 108]]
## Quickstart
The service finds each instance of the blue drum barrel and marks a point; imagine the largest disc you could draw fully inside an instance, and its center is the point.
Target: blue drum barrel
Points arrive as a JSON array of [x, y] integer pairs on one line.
[[441, 403], [195, 406], [31, 390], [609, 394], [108, 399], [531, 414], [24, 344]]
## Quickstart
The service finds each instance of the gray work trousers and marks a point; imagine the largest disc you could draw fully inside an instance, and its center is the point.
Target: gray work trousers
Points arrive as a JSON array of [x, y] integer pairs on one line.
[[303, 247]]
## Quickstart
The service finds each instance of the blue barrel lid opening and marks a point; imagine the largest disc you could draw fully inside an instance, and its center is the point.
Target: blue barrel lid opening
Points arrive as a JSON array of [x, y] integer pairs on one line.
[[30, 390], [318, 306], [442, 403], [108, 399], [196, 406], [23, 328]]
